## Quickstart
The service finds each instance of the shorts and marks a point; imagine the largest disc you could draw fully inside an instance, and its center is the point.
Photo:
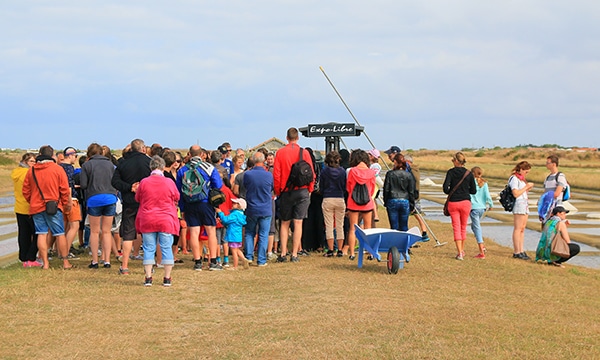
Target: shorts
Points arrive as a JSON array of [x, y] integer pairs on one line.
[[106, 210], [75, 214], [521, 207], [128, 231], [199, 214], [221, 236], [417, 209], [273, 229], [44, 222], [294, 204], [235, 245]]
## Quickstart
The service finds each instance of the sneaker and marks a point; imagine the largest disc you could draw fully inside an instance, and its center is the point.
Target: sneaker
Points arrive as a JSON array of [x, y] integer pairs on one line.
[[281, 259], [424, 237], [459, 256], [272, 256], [226, 264], [198, 265], [106, 265], [34, 264], [303, 253], [120, 258], [352, 257], [93, 265], [263, 265], [329, 253], [215, 267], [294, 259], [517, 256], [479, 256], [148, 281], [26, 264], [160, 266], [123, 271], [557, 264], [167, 282], [340, 253], [178, 261], [524, 256], [136, 257]]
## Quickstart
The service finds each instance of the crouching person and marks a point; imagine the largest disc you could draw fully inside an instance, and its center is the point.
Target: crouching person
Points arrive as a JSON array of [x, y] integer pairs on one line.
[[157, 218], [557, 224]]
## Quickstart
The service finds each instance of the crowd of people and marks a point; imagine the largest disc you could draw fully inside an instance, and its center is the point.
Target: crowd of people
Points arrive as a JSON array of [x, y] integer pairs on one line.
[[156, 199]]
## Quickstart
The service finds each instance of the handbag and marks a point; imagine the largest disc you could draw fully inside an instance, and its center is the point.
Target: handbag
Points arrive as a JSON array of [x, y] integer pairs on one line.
[[560, 247], [446, 212], [51, 205]]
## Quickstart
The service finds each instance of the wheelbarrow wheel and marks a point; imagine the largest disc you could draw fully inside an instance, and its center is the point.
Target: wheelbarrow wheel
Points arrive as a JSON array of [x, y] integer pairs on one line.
[[393, 260]]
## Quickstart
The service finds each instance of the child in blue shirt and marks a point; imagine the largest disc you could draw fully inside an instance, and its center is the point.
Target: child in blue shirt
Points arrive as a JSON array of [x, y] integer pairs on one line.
[[480, 203], [234, 222]]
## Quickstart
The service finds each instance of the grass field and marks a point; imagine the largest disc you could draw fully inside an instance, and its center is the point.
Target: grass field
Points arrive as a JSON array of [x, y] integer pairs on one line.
[[435, 308]]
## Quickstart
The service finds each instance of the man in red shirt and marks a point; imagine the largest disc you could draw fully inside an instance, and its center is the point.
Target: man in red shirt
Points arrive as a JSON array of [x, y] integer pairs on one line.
[[293, 201]]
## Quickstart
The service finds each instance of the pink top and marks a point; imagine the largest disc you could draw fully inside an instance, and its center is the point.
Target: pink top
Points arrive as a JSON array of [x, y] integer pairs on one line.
[[158, 198], [361, 175]]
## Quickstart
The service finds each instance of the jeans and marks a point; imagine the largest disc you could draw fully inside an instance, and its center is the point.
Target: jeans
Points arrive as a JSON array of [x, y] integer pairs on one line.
[[254, 224], [398, 211], [476, 215], [164, 240]]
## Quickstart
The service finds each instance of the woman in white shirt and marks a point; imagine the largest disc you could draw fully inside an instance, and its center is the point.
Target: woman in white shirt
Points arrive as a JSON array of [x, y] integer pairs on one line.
[[520, 187]]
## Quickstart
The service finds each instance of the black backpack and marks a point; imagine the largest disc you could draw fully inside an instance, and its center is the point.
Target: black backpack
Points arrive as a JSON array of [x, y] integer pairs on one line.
[[301, 174], [507, 199], [360, 194]]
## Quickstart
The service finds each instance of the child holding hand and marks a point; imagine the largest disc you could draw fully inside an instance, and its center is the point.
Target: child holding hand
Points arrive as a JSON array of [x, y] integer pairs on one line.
[[234, 222]]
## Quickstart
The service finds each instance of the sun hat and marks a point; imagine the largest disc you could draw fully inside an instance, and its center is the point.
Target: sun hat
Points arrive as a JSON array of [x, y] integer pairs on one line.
[[375, 153], [240, 201]]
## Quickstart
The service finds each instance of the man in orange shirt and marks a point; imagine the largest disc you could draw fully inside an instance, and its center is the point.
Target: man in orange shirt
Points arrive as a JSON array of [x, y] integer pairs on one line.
[[50, 184]]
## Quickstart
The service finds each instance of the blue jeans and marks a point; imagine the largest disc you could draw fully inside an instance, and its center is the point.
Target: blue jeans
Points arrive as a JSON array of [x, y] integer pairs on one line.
[[254, 224], [164, 240], [476, 215], [44, 223], [398, 211]]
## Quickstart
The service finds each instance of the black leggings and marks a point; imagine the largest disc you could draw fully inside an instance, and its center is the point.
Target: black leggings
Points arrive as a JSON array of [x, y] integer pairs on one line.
[[573, 250], [27, 238]]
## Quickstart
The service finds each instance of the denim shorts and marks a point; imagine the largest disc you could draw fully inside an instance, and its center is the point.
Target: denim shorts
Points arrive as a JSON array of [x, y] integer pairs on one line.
[[521, 207], [44, 222], [106, 210]]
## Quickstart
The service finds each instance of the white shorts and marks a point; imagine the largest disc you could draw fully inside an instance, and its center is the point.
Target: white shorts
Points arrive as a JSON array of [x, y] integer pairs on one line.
[[521, 207]]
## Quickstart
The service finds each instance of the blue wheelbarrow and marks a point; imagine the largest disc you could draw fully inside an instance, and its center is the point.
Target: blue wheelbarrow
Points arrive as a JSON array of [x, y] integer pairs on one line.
[[395, 243]]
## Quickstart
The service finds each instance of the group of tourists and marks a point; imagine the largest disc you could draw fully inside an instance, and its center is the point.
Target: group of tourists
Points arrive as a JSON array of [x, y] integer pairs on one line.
[[469, 198], [214, 205]]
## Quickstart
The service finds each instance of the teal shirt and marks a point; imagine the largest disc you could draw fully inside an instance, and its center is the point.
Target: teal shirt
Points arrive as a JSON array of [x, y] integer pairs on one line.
[[544, 247], [482, 197]]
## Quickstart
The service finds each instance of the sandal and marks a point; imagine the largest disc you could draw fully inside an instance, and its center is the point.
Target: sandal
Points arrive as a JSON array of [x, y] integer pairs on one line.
[[123, 271]]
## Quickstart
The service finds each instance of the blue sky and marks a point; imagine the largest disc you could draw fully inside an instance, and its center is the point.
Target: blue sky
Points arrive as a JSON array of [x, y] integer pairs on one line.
[[417, 74]]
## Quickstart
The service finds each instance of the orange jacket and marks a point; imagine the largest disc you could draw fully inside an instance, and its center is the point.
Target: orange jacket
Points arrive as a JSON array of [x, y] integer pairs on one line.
[[54, 184]]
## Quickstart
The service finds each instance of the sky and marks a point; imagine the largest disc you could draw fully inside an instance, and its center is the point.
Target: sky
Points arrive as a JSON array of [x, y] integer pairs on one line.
[[417, 74]]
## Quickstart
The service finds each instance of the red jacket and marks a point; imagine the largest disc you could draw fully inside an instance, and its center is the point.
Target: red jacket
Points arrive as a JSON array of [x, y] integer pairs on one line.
[[227, 205], [360, 175], [285, 157], [54, 184]]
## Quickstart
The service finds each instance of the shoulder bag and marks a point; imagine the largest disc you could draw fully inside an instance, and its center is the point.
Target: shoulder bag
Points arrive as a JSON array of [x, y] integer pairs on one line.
[[446, 212], [560, 247], [51, 205]]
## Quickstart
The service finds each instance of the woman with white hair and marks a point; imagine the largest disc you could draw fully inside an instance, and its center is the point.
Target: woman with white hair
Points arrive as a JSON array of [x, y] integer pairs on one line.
[[157, 218]]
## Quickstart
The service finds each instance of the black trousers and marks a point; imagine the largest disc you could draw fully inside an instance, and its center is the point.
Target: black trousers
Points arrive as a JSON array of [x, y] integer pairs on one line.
[[27, 238], [573, 250]]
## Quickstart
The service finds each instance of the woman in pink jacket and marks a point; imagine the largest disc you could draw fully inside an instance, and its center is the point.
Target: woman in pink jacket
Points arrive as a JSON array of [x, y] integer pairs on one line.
[[157, 218], [360, 176]]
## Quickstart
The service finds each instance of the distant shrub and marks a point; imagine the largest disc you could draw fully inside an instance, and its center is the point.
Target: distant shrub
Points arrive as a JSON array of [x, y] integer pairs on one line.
[[5, 161], [480, 153]]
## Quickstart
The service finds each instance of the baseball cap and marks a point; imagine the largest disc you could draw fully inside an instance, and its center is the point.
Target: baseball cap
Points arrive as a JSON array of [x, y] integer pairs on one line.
[[393, 149], [375, 153], [559, 209], [223, 149], [240, 201]]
